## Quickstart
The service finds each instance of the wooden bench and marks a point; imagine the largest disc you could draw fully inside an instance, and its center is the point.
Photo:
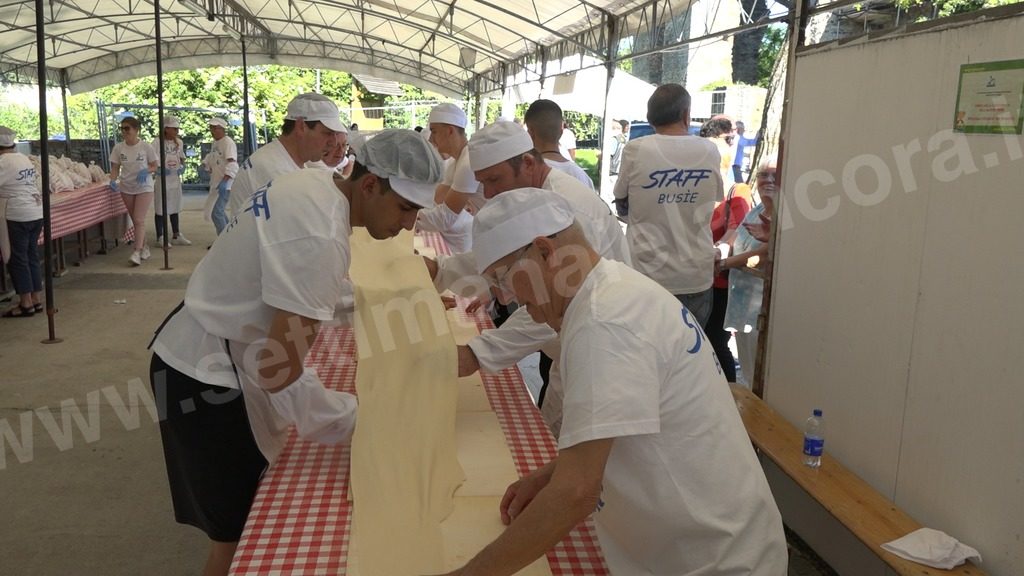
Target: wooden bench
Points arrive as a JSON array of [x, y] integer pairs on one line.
[[871, 517]]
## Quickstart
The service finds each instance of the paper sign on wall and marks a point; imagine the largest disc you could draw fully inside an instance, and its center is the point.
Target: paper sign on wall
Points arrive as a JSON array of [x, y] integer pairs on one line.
[[990, 98]]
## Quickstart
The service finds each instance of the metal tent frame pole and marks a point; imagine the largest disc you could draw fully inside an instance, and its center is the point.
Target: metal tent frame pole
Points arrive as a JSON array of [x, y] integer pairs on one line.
[[44, 160], [247, 135], [161, 172]]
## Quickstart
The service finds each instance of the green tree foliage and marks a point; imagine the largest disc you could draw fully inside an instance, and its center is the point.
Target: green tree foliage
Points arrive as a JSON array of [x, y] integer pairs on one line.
[[771, 45]]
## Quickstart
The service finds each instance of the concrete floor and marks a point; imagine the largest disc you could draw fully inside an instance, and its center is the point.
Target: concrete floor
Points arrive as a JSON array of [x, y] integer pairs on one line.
[[82, 477]]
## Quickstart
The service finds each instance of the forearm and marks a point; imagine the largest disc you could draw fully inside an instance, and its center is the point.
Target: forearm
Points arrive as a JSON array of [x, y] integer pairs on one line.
[[553, 513]]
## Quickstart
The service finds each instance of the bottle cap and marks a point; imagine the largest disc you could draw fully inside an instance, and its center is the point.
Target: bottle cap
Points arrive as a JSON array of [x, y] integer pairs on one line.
[[817, 411]]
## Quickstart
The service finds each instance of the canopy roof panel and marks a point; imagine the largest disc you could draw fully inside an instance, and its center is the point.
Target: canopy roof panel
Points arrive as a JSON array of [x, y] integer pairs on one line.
[[437, 44]]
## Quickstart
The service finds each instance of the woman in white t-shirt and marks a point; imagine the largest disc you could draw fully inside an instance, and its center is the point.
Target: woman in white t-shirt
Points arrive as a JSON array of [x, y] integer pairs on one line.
[[23, 210], [131, 165], [174, 167]]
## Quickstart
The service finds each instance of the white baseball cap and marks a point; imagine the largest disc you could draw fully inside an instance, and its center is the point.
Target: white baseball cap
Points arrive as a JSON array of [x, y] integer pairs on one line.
[[6, 137], [448, 114], [313, 107], [411, 165], [216, 121], [514, 219], [496, 143], [171, 122]]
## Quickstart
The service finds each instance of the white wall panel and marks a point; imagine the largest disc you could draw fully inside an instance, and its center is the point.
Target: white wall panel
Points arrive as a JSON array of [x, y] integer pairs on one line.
[[899, 307]]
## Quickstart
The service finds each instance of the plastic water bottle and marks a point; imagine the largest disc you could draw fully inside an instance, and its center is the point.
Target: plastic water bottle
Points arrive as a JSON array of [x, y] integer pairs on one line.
[[814, 439]]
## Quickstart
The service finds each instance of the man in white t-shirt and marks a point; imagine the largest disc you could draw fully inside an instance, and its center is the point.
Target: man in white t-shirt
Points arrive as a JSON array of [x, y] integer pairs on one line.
[[544, 123], [227, 368], [312, 126], [222, 164], [567, 143], [652, 444], [503, 159], [459, 194], [668, 185]]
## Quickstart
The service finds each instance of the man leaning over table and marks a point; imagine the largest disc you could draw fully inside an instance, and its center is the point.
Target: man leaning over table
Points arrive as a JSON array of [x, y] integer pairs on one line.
[[652, 444], [227, 367], [504, 158]]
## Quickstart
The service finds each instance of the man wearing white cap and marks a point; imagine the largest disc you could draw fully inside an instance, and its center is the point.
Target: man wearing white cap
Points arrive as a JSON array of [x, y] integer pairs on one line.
[[652, 444], [503, 158], [222, 164], [459, 189], [173, 168], [227, 364], [312, 126]]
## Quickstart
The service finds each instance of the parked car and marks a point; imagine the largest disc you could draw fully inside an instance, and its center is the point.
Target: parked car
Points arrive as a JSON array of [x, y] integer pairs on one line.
[[641, 129]]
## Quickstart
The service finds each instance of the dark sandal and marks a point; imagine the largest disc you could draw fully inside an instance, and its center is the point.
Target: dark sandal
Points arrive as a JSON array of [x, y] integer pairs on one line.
[[38, 308], [19, 312]]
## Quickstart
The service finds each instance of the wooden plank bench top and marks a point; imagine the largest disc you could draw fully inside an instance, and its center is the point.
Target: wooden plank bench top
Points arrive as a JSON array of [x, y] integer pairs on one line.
[[871, 517]]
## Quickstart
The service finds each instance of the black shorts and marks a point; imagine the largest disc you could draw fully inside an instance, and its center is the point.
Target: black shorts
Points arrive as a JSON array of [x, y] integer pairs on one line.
[[213, 463]]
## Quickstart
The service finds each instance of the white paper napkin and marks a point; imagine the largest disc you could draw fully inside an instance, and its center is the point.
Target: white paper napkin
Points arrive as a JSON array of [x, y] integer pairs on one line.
[[932, 548]]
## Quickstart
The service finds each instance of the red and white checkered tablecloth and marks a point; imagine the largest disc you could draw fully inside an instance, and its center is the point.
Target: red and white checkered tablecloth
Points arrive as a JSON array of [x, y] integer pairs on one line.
[[300, 520], [81, 208]]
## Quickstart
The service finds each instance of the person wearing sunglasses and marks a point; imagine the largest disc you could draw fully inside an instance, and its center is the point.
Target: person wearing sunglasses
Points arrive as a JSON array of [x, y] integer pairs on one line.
[[132, 163]]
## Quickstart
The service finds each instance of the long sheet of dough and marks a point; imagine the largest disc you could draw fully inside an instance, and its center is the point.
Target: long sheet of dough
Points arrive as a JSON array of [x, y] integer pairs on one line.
[[478, 441], [404, 465]]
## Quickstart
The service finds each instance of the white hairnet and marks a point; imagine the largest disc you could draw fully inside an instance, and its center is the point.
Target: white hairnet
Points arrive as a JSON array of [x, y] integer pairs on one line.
[[411, 165]]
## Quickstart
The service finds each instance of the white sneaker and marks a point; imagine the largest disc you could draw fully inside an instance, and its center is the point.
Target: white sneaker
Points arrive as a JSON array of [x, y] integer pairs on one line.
[[160, 242], [181, 241], [135, 259], [145, 253]]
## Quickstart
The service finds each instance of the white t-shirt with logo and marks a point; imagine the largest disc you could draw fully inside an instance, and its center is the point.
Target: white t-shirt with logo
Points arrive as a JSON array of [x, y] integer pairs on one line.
[[672, 183], [132, 160], [572, 169], [18, 186], [261, 167], [683, 492], [287, 249], [222, 161]]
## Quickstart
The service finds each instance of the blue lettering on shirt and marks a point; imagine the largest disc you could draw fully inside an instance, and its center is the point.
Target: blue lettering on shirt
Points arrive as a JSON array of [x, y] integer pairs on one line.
[[677, 177], [258, 204], [696, 331], [27, 174]]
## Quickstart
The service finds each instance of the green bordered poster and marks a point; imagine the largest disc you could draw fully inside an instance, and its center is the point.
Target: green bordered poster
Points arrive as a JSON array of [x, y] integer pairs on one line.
[[990, 99]]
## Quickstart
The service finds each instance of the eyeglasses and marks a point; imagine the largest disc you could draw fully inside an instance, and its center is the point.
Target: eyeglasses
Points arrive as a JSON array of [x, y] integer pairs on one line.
[[766, 174], [503, 282]]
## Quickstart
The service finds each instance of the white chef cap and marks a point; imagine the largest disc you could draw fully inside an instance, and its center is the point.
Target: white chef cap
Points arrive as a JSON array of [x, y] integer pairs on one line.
[[171, 122], [6, 137], [218, 122], [448, 114], [410, 163], [513, 219], [496, 143], [313, 107]]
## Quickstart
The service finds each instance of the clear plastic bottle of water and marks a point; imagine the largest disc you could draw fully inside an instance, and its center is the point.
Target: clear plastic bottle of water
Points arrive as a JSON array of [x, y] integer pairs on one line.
[[814, 439]]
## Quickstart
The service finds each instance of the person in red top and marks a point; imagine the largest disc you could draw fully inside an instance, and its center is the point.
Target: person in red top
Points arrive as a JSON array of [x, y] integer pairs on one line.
[[726, 218]]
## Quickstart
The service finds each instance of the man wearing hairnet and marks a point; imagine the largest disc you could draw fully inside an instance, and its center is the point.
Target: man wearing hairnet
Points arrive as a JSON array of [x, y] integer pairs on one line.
[[503, 158], [227, 366], [652, 444], [312, 126]]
